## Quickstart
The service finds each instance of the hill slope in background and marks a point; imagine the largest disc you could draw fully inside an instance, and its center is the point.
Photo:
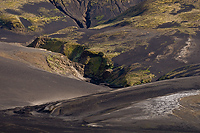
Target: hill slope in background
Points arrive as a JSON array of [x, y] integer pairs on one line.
[[161, 35]]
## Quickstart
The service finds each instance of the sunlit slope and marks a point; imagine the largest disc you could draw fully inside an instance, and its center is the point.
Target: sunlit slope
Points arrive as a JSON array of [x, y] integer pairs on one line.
[[22, 85]]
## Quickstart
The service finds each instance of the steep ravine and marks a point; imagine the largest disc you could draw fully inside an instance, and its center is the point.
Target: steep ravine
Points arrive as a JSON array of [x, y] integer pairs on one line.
[[79, 16], [87, 13]]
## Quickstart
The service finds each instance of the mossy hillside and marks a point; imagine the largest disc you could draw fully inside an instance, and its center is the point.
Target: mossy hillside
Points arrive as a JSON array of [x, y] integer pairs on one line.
[[149, 18], [38, 18], [16, 4], [95, 62], [124, 76], [41, 19], [58, 45], [131, 12], [97, 66], [184, 71], [117, 78], [71, 33], [153, 13], [51, 44], [113, 43], [139, 77], [94, 66]]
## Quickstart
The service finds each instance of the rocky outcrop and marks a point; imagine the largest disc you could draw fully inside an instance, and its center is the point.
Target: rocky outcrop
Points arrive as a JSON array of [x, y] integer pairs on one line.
[[92, 64]]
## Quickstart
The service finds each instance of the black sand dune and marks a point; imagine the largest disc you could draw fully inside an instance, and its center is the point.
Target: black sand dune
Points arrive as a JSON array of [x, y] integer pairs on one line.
[[22, 85], [121, 98], [118, 110]]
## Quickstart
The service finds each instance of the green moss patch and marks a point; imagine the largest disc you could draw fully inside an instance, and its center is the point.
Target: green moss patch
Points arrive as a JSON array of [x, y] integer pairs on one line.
[[73, 51], [139, 77], [51, 44], [11, 22]]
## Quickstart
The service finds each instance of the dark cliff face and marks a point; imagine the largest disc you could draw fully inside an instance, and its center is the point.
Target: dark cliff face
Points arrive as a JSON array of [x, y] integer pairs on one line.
[[87, 13]]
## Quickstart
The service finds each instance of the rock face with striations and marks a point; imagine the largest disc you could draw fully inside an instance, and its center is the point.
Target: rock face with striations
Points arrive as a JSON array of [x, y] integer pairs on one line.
[[88, 13]]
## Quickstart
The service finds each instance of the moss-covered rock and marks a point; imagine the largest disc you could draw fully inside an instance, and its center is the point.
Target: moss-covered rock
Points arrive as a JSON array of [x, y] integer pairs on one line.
[[73, 51], [51, 44], [11, 22], [95, 62], [96, 66], [124, 76]]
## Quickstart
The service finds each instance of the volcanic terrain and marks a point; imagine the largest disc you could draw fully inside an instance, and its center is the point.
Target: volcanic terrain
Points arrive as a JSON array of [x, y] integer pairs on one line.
[[99, 66]]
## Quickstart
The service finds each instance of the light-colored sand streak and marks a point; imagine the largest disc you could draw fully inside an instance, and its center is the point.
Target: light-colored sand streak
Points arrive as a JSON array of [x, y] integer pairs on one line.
[[162, 106]]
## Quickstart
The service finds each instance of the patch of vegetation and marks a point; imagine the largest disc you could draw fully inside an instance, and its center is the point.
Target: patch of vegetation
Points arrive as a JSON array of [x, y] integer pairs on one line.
[[96, 66], [51, 44], [185, 71], [117, 78], [32, 28], [99, 18], [139, 77], [73, 51], [11, 22], [124, 76], [114, 43]]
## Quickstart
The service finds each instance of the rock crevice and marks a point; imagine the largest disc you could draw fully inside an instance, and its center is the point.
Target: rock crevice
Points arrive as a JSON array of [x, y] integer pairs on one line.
[[85, 12]]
